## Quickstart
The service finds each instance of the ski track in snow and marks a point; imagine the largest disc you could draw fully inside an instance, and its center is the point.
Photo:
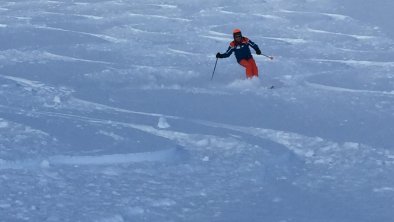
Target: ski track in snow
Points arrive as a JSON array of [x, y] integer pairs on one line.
[[77, 15], [183, 52], [359, 37], [41, 56], [100, 36], [159, 17], [314, 150], [341, 89], [97, 106], [287, 40], [331, 15], [72, 59], [112, 159], [357, 63], [25, 82], [167, 6], [273, 17], [217, 38]]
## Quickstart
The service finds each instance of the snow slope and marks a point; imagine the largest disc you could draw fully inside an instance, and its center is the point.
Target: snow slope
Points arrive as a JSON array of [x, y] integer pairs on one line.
[[108, 113]]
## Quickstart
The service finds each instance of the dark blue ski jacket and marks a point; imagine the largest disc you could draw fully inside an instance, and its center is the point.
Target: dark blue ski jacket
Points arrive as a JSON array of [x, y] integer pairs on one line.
[[242, 50]]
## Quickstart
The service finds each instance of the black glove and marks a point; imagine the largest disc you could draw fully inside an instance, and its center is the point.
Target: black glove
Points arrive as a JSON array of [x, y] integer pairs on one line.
[[258, 52], [218, 55]]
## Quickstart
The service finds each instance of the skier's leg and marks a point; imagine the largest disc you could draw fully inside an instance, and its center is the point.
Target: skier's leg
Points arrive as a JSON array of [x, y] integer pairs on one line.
[[249, 68], [255, 70]]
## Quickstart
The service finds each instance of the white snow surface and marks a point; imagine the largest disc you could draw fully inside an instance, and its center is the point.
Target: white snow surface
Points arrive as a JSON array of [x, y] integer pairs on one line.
[[108, 112]]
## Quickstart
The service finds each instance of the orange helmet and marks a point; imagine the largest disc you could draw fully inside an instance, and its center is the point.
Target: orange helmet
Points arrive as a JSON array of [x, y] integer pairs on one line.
[[236, 31]]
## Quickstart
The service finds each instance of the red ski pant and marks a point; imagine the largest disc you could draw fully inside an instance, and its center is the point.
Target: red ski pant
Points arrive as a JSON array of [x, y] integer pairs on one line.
[[250, 66]]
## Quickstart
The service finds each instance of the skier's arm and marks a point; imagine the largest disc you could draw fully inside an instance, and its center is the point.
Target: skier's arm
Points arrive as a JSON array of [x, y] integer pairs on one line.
[[226, 54], [255, 47]]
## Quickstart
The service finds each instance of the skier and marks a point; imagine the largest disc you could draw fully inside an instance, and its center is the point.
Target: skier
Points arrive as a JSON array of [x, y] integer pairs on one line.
[[244, 57]]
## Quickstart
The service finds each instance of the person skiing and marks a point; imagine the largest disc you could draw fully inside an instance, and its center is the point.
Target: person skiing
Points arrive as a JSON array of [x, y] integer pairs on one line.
[[240, 46]]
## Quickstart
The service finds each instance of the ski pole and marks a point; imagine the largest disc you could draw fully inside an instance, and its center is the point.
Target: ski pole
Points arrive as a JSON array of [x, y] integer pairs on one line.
[[270, 57], [213, 73]]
